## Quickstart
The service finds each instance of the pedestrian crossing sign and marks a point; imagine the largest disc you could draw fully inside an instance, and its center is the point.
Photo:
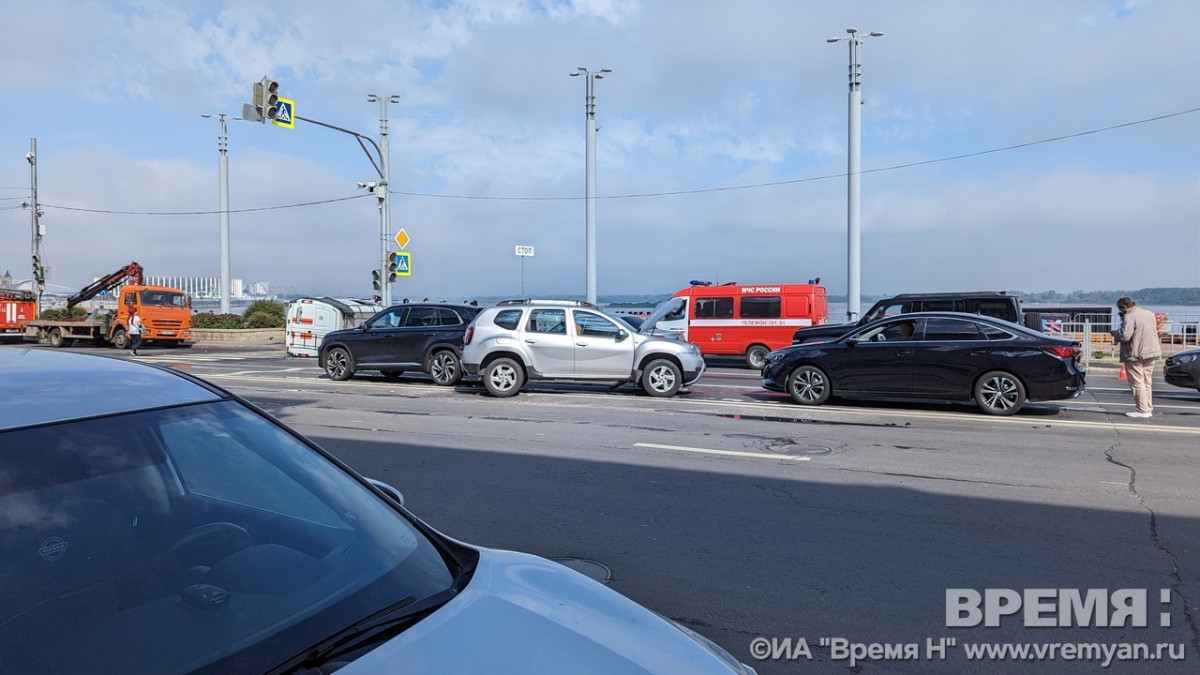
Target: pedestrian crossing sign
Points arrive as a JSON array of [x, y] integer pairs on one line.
[[403, 264], [286, 113]]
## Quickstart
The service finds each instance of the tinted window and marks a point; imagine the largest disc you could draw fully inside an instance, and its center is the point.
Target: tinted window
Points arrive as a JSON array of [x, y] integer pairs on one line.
[[552, 321], [389, 319], [447, 317], [943, 306], [1001, 309], [761, 308], [883, 311], [993, 333], [422, 316], [893, 332], [952, 329], [593, 325], [714, 308], [508, 319]]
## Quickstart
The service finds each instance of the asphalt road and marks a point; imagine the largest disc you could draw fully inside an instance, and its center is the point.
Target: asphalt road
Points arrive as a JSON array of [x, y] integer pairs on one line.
[[749, 518]]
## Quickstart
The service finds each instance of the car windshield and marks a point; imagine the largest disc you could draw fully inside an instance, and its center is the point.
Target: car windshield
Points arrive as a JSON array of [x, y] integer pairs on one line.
[[197, 537]]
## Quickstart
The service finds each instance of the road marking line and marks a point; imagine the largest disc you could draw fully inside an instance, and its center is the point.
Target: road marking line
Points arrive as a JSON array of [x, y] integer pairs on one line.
[[706, 451]]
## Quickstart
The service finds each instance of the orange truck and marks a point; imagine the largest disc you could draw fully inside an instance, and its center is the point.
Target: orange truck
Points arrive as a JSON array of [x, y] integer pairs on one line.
[[17, 308], [166, 314]]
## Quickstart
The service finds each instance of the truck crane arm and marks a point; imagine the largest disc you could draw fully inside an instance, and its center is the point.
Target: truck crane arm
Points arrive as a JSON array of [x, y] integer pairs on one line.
[[132, 272]]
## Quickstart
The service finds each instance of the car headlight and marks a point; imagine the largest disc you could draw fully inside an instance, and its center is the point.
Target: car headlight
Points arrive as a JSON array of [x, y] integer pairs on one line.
[[1186, 358]]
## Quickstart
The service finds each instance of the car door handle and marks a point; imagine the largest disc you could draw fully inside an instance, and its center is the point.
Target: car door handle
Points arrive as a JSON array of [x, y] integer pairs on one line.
[[581, 344], [530, 341]]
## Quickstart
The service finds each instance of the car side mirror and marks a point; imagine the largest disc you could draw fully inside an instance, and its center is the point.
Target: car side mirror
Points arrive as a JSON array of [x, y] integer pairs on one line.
[[388, 490], [621, 334], [850, 342]]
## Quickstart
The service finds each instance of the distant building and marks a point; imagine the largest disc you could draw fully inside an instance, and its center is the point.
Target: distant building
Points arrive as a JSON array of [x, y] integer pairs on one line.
[[210, 287], [6, 280]]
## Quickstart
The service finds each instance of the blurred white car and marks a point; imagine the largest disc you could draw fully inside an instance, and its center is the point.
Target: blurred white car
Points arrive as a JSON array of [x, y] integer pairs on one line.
[[151, 522]]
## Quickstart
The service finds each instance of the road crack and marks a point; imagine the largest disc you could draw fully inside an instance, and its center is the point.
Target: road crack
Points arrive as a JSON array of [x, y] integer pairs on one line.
[[1176, 575]]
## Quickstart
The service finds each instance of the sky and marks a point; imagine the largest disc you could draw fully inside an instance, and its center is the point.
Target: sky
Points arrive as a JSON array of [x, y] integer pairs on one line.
[[1017, 145]]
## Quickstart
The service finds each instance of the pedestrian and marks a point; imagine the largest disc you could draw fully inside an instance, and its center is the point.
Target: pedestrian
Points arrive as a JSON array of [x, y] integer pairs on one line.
[[1140, 347], [135, 331]]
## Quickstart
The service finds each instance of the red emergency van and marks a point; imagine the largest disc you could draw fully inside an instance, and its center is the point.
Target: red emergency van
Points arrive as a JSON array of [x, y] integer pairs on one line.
[[736, 319]]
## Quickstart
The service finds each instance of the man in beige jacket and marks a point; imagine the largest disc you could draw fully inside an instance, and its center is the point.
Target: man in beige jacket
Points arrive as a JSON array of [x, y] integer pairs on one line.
[[1140, 347]]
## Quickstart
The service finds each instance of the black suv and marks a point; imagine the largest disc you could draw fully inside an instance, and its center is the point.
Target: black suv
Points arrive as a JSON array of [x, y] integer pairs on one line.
[[989, 303], [425, 337]]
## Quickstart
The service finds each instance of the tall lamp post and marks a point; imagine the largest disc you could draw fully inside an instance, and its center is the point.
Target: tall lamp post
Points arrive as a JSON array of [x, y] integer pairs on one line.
[[590, 107], [853, 178], [385, 200], [223, 179]]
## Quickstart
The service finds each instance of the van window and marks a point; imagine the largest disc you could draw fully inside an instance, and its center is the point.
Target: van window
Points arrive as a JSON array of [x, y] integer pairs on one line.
[[761, 308], [1001, 309], [714, 308]]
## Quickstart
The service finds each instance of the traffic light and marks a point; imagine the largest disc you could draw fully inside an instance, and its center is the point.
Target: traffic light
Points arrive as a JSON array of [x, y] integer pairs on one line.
[[37, 267], [392, 265], [266, 98], [375, 280]]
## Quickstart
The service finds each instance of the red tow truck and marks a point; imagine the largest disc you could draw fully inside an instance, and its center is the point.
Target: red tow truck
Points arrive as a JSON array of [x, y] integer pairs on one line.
[[166, 314]]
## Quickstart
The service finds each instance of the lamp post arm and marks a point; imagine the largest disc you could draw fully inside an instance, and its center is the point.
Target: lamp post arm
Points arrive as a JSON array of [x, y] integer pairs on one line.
[[360, 138]]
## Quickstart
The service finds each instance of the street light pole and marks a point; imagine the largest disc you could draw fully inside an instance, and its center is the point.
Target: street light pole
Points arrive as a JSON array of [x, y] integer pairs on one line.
[[590, 195], [223, 179], [853, 177], [385, 200]]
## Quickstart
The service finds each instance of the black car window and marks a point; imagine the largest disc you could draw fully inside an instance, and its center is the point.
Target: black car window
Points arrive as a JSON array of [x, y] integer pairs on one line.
[[993, 333], [714, 308], [389, 319], [941, 330], [761, 308], [883, 311], [942, 306], [900, 331], [553, 321], [422, 316], [588, 324], [508, 319], [447, 317]]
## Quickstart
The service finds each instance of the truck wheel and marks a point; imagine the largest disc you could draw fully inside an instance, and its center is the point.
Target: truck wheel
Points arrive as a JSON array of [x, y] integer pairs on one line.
[[121, 339], [756, 356], [338, 364], [503, 377], [56, 338], [445, 368], [662, 378]]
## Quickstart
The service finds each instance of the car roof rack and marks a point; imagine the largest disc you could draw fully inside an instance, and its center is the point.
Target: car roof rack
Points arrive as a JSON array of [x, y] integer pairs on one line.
[[533, 301]]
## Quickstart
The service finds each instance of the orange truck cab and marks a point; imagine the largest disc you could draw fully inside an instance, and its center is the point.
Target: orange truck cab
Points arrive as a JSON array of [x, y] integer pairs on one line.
[[166, 315], [732, 319]]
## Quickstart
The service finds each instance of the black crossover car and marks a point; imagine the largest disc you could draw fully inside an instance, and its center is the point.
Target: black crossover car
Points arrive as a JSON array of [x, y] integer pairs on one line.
[[944, 356], [424, 337]]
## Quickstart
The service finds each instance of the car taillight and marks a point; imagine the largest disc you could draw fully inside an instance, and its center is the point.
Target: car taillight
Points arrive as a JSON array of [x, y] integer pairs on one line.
[[1064, 352], [467, 337]]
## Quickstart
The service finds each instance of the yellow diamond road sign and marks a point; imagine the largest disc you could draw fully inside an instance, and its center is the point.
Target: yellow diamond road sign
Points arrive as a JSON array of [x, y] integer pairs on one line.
[[402, 239]]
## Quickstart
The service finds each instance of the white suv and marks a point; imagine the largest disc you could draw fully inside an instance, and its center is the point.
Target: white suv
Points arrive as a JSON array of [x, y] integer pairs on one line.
[[521, 340]]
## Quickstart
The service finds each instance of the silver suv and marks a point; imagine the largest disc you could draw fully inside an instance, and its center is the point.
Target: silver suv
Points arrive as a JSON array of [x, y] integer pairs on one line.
[[521, 340]]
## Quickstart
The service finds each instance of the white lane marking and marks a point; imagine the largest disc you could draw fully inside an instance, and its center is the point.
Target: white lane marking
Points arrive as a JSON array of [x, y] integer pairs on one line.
[[707, 451]]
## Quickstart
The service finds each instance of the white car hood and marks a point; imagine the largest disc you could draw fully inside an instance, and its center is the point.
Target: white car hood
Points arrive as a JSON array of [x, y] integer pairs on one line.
[[524, 614]]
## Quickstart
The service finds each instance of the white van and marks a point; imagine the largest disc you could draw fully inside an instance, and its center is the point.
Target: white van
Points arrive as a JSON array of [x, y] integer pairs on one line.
[[310, 319]]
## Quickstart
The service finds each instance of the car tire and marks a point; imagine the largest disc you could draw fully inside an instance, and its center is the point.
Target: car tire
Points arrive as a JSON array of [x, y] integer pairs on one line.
[[121, 339], [809, 385], [756, 356], [445, 368], [338, 364], [999, 393], [662, 378], [503, 377]]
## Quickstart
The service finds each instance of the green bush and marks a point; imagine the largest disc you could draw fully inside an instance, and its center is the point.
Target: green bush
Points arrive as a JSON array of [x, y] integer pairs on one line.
[[265, 314], [60, 313], [210, 320]]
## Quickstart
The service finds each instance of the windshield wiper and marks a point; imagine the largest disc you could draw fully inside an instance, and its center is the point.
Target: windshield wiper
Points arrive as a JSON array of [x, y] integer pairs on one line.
[[379, 626]]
